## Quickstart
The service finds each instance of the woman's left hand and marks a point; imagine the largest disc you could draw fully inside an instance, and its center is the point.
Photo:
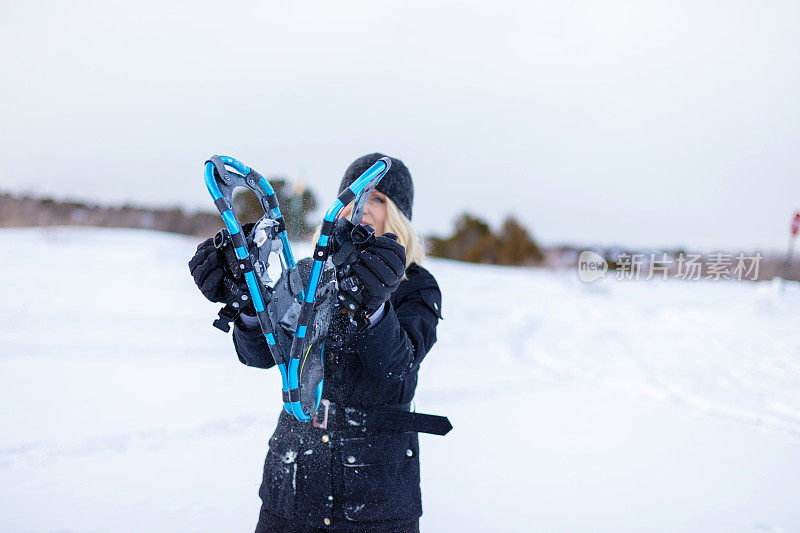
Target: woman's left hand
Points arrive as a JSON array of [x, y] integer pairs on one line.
[[378, 271]]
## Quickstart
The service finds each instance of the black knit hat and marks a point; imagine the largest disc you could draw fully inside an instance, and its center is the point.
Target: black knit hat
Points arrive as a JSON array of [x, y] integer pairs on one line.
[[396, 184]]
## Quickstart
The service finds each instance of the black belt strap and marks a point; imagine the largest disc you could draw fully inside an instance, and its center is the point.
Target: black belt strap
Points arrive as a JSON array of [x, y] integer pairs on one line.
[[397, 420], [391, 418]]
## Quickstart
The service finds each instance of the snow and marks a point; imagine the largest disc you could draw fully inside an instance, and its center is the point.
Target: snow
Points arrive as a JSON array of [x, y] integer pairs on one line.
[[613, 406]]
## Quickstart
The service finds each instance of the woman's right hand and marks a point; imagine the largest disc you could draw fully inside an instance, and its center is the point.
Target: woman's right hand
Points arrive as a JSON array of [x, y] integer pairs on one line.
[[208, 270]]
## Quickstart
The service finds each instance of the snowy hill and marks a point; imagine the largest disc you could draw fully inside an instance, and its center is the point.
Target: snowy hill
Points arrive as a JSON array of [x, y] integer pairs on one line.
[[621, 406]]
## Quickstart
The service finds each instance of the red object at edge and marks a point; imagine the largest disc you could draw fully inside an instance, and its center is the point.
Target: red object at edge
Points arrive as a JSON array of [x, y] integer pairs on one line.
[[796, 223]]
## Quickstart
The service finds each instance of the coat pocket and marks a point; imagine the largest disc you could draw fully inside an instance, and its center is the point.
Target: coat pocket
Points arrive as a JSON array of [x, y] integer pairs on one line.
[[381, 477], [279, 483], [433, 299]]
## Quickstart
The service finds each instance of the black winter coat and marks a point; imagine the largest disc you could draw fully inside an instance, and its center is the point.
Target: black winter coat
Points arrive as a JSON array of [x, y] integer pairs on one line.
[[339, 479]]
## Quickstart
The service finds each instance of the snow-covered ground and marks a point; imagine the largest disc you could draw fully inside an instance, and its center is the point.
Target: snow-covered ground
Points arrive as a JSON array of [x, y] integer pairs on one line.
[[618, 406]]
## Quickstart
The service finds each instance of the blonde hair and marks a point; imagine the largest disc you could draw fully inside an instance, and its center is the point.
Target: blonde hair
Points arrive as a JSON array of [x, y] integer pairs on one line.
[[398, 223], [407, 235]]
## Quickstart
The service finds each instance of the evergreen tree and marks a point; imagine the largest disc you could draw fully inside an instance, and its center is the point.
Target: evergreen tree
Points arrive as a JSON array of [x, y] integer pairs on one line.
[[473, 241], [296, 203]]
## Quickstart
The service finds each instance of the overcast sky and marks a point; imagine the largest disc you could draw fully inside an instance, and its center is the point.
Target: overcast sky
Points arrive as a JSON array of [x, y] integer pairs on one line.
[[637, 123]]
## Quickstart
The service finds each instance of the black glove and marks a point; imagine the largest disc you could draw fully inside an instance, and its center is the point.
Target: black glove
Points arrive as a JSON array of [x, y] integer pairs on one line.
[[208, 270], [213, 275], [375, 275]]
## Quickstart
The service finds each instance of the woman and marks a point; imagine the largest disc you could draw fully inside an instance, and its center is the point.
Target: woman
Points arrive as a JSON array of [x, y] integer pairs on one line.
[[356, 468]]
